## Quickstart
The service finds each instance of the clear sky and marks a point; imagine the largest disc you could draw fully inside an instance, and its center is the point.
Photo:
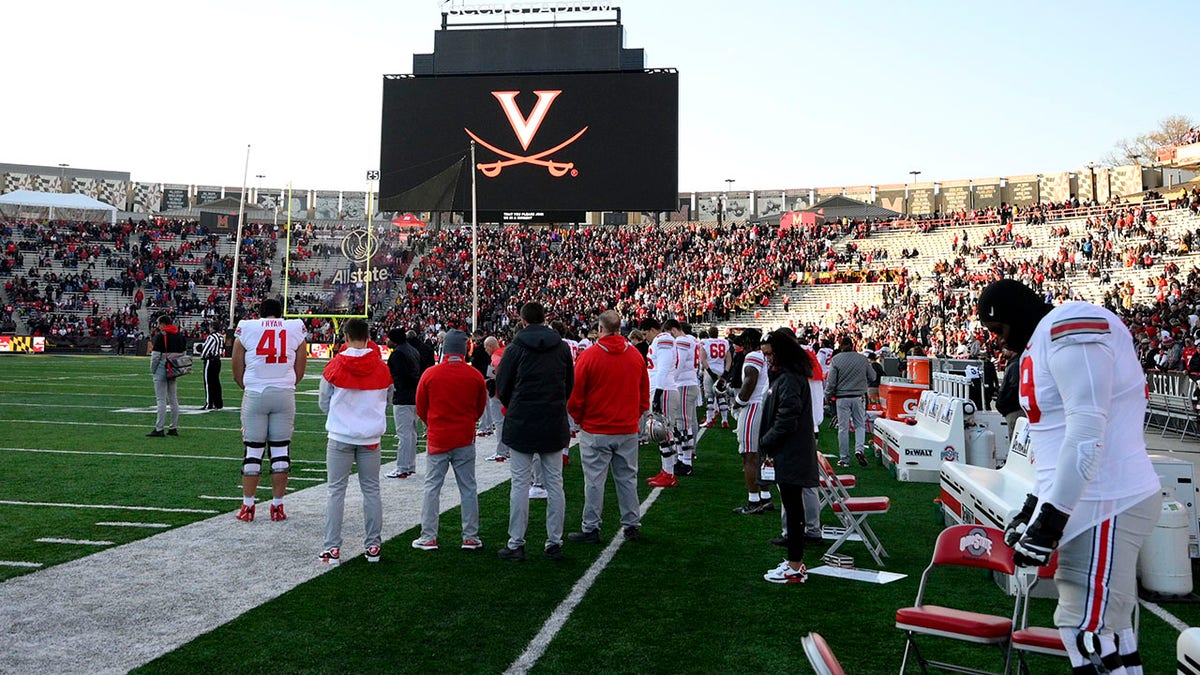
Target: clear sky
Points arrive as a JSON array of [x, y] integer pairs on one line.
[[773, 93]]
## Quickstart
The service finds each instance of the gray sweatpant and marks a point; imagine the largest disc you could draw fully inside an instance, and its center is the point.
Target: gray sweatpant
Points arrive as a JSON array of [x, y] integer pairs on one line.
[[518, 498], [405, 417], [599, 452], [338, 459], [166, 391], [497, 412], [436, 466], [851, 410]]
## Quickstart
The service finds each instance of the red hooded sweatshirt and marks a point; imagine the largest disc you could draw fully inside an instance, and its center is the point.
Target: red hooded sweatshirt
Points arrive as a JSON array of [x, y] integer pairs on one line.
[[450, 398], [612, 387]]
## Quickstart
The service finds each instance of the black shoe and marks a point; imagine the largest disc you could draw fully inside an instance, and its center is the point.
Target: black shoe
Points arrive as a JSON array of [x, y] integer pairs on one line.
[[157, 433], [513, 554], [861, 457], [814, 541], [633, 533], [682, 469], [779, 541], [750, 509], [172, 432], [767, 505], [554, 552], [204, 407], [585, 537]]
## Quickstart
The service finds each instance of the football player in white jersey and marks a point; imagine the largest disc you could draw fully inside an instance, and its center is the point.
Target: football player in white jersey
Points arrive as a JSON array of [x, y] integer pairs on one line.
[[661, 359], [1096, 496], [687, 385], [716, 358], [748, 402], [269, 357]]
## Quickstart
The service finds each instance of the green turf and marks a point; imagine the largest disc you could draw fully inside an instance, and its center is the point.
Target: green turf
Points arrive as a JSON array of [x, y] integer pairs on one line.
[[689, 597]]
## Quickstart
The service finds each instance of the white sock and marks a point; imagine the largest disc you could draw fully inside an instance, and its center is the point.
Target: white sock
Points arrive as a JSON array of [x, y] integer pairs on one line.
[[754, 498], [765, 495], [248, 501], [668, 464], [1127, 644], [277, 501]]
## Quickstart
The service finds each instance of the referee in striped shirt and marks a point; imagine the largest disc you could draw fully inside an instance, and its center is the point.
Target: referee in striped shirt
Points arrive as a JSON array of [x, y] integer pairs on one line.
[[214, 347]]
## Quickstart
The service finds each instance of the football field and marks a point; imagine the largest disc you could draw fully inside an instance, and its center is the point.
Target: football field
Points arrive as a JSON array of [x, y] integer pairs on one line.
[[145, 525]]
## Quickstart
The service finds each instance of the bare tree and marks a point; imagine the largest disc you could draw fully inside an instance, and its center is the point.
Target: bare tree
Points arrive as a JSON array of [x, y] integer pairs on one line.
[[1170, 130]]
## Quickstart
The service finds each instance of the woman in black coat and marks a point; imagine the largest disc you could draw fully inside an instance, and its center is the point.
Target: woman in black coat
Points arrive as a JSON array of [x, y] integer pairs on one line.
[[787, 440]]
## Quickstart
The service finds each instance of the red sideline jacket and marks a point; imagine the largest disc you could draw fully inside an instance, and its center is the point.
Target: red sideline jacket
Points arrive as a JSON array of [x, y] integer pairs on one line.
[[612, 387], [451, 397]]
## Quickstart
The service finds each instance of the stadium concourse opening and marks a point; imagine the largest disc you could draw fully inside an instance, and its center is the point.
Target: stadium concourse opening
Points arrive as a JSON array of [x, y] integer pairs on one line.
[[562, 118]]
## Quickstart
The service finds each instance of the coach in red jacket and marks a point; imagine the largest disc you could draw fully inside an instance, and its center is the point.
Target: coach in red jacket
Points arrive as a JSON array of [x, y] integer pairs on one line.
[[611, 393], [450, 398]]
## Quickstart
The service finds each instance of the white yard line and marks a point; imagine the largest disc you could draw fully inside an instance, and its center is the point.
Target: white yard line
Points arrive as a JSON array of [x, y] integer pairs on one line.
[[73, 379], [558, 618], [1163, 614], [135, 426], [122, 607], [81, 542], [151, 454], [19, 563], [120, 523], [60, 505], [219, 498]]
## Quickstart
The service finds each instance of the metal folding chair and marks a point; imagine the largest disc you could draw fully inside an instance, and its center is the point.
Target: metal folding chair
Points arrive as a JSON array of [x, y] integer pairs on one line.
[[852, 512], [975, 546]]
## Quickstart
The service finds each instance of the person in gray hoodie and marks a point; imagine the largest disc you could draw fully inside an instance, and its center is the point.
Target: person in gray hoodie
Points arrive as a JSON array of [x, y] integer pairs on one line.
[[846, 383], [533, 382]]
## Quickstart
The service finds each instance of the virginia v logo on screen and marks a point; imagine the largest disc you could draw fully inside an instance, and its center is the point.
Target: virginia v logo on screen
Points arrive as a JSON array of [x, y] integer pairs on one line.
[[526, 128]]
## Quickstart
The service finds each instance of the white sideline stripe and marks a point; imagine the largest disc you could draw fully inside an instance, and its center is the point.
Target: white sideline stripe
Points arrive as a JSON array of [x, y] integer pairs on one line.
[[306, 479], [82, 542], [220, 497], [93, 633], [150, 454], [311, 470], [120, 523], [146, 409], [537, 646], [74, 379], [137, 426], [268, 488], [1163, 614], [18, 563], [57, 505]]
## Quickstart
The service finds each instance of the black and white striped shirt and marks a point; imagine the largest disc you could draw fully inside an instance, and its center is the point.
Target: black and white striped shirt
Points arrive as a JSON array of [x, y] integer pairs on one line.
[[214, 346]]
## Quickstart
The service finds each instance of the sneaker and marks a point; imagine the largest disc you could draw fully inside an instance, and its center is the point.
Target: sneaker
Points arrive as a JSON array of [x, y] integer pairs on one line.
[[768, 505], [246, 513], [277, 512], [663, 480], [554, 552], [400, 474], [172, 432], [513, 554], [725, 424], [500, 459], [861, 457], [632, 533], [585, 537], [483, 434], [784, 574], [424, 544], [566, 460], [780, 541], [682, 469], [843, 464], [812, 540], [331, 556], [708, 424], [157, 433], [538, 492], [749, 509], [372, 554], [471, 544], [494, 457]]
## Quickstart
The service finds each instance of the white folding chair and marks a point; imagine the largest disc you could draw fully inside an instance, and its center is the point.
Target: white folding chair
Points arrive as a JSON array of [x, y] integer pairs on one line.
[[975, 546], [852, 512]]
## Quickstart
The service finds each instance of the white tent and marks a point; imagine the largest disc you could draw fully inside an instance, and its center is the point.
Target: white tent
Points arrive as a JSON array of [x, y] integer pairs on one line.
[[53, 205]]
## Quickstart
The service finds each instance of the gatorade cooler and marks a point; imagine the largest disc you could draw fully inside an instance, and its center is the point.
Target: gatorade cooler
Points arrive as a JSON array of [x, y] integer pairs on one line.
[[919, 368], [900, 399]]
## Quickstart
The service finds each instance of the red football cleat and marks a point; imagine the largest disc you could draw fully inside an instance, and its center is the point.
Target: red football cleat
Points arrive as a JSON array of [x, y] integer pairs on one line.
[[277, 512], [663, 480], [246, 514], [725, 424]]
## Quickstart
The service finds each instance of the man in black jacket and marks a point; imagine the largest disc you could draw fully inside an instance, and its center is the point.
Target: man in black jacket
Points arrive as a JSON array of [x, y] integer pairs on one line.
[[533, 382], [405, 364], [1008, 396]]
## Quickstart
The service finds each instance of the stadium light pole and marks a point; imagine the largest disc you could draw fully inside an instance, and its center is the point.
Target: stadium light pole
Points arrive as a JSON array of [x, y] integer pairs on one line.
[[237, 245], [474, 249], [62, 176], [908, 196], [1092, 168], [728, 188]]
